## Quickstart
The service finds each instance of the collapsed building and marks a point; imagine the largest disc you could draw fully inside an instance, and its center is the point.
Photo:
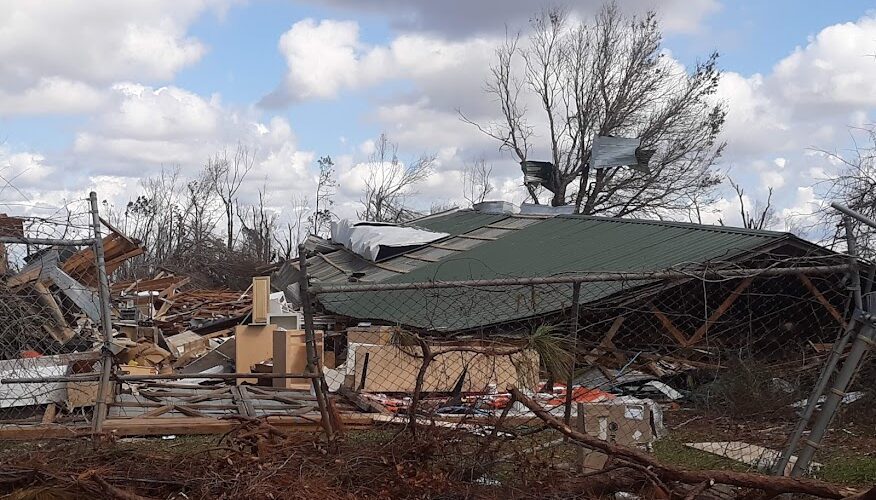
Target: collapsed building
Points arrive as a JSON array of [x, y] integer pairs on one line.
[[694, 314], [628, 323]]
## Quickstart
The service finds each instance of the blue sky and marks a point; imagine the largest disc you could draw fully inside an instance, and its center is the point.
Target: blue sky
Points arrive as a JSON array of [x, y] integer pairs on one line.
[[127, 90]]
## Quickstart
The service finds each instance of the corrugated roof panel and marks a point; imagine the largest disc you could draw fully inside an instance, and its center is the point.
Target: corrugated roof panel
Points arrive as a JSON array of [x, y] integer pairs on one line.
[[516, 222], [459, 222], [433, 253], [545, 247], [458, 243], [487, 232]]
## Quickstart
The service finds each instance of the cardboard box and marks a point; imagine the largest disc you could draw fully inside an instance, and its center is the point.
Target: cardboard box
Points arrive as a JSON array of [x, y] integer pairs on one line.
[[144, 353], [187, 342], [389, 368], [138, 370], [377, 335], [626, 423], [80, 394]]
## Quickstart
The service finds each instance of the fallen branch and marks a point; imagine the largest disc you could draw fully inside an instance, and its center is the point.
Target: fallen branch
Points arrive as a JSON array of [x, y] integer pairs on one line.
[[116, 492], [666, 473]]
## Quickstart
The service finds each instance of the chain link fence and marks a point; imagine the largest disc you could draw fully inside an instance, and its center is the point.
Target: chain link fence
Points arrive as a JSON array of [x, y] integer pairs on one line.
[[553, 379], [657, 383], [51, 314]]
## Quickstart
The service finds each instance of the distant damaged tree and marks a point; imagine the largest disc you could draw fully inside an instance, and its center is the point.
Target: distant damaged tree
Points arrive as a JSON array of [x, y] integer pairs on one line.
[[571, 82], [389, 183], [294, 230], [764, 215], [476, 181], [257, 227], [326, 186], [230, 173]]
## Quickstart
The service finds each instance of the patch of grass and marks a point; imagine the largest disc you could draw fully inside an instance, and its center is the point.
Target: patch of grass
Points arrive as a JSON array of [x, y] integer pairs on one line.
[[674, 452], [858, 470]]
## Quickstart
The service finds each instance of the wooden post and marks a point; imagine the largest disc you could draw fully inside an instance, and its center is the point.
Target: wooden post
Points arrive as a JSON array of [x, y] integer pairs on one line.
[[313, 364]]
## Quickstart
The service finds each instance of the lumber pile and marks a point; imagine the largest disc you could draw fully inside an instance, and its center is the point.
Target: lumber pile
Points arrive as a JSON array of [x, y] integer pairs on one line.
[[53, 299]]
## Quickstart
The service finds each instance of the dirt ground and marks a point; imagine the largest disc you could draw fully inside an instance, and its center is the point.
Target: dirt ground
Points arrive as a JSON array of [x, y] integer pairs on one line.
[[256, 461]]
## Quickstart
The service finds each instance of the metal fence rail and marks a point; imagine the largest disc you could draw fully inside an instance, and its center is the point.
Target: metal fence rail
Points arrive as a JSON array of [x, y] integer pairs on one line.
[[699, 368]]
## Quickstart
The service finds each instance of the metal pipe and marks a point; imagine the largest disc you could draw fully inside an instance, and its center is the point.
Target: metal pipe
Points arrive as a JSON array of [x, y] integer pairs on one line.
[[812, 403], [46, 241], [161, 376], [859, 348], [851, 213], [830, 363], [573, 330], [106, 327], [581, 278], [833, 398], [852, 250]]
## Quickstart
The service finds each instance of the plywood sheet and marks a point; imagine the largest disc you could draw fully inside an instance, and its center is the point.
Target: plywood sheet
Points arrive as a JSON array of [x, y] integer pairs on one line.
[[253, 343]]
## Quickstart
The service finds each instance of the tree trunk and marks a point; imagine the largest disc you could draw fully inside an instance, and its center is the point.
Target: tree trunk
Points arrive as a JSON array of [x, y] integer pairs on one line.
[[559, 198]]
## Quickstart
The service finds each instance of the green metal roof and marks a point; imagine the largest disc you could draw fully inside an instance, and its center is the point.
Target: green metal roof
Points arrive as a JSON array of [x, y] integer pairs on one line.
[[572, 243], [552, 246], [458, 222]]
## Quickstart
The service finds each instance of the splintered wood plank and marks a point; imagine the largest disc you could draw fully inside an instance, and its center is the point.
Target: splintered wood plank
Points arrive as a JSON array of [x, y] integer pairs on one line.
[[607, 343], [247, 402], [49, 414], [138, 426], [161, 410], [669, 326], [821, 298], [238, 401], [189, 411], [717, 313], [197, 398]]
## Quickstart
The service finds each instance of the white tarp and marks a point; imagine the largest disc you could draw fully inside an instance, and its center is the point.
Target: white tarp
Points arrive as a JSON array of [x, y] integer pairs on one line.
[[367, 238], [29, 394]]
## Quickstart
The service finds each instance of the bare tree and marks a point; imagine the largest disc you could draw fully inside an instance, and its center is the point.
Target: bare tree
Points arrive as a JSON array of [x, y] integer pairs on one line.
[[293, 231], [201, 211], [854, 186], [230, 174], [326, 186], [764, 215], [389, 182], [608, 78], [476, 181], [257, 226]]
